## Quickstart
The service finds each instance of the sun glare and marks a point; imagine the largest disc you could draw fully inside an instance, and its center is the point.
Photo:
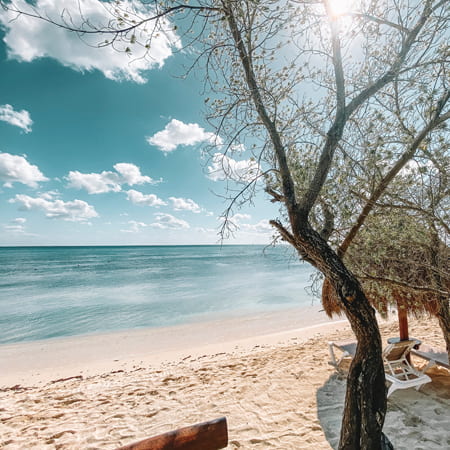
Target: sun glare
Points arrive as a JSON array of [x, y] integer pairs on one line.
[[340, 7]]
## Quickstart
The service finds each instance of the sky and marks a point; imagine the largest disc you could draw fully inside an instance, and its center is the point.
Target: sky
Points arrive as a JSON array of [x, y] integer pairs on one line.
[[98, 149]]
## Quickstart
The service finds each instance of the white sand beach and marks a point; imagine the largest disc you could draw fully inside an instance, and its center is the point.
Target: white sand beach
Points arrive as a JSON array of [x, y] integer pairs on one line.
[[269, 375]]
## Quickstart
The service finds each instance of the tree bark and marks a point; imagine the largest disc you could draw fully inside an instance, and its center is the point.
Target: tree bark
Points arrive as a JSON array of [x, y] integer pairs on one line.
[[365, 401], [443, 316], [366, 386], [443, 313]]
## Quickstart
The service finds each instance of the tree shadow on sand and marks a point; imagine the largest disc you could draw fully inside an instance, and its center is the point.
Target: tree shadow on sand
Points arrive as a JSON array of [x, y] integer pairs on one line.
[[415, 419]]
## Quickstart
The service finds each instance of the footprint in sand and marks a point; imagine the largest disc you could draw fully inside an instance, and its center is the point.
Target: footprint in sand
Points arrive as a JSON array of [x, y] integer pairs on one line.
[[412, 421]]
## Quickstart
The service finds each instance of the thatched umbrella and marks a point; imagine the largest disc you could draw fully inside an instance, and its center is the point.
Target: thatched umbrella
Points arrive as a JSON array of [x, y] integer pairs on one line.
[[420, 304], [408, 270]]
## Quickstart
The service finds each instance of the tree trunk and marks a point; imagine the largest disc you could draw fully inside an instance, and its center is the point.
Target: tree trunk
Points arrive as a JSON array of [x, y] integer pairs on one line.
[[365, 400], [443, 316], [443, 313]]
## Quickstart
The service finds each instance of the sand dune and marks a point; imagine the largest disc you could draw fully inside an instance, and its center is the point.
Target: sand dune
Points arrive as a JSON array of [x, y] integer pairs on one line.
[[276, 392]]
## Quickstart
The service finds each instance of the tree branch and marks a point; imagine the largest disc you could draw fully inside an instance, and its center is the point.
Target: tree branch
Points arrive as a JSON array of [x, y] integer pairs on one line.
[[378, 20], [335, 133], [106, 30], [395, 66], [277, 197], [368, 277], [401, 162], [286, 178]]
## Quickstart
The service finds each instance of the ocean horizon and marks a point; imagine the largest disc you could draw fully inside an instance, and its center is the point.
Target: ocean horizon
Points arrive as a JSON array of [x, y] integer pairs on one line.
[[58, 291]]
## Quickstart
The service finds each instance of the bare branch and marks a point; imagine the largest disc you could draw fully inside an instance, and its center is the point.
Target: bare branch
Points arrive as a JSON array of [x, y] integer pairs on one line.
[[409, 286], [401, 162]]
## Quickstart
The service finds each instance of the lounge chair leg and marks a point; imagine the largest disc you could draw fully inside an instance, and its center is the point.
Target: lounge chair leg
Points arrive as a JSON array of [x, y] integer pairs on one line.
[[332, 356], [428, 366], [392, 388]]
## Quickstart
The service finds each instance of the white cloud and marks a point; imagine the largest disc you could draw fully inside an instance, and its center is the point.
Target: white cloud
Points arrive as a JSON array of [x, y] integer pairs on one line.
[[28, 39], [206, 230], [16, 169], [17, 229], [94, 183], [178, 133], [17, 226], [240, 222], [225, 168], [239, 217], [238, 148], [131, 174], [165, 221], [263, 226], [138, 198], [19, 119], [107, 181], [135, 227], [74, 211], [180, 204], [49, 195]]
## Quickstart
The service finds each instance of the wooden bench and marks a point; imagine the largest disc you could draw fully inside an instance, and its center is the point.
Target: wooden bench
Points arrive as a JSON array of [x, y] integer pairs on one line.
[[212, 435]]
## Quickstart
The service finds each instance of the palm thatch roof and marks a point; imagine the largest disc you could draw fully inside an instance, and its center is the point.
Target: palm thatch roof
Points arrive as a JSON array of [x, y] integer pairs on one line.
[[404, 265]]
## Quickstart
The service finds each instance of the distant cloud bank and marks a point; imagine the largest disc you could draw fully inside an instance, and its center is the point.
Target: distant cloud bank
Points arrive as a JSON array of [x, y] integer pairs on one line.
[[167, 221], [73, 211], [162, 221], [16, 226]]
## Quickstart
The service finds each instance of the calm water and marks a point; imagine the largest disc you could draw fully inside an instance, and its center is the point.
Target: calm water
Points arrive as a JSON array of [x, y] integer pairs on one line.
[[48, 292]]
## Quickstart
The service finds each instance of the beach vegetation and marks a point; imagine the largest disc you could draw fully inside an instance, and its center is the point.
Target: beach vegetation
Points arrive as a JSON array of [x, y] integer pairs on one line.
[[325, 96], [395, 237], [401, 254]]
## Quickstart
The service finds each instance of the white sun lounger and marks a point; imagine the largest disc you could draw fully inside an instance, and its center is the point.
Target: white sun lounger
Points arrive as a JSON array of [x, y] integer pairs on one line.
[[435, 356], [347, 351], [398, 370]]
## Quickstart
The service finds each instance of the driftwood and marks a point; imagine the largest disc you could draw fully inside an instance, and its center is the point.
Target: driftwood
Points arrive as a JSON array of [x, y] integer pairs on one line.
[[210, 435]]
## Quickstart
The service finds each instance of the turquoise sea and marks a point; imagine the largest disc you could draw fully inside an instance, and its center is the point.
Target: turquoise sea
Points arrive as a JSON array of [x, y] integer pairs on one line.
[[49, 292]]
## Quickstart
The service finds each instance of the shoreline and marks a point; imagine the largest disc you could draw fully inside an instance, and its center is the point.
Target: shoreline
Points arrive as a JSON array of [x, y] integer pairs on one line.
[[276, 390], [39, 362]]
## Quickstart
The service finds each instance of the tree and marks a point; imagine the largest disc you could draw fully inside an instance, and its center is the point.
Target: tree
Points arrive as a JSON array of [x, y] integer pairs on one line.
[[407, 267], [290, 80], [401, 255], [407, 168]]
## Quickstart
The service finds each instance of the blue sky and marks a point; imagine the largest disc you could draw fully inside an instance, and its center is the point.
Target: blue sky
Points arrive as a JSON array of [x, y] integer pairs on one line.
[[97, 150]]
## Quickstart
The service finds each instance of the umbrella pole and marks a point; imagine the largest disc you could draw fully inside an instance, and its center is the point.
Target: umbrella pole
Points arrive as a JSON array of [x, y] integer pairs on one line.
[[403, 327], [403, 323]]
